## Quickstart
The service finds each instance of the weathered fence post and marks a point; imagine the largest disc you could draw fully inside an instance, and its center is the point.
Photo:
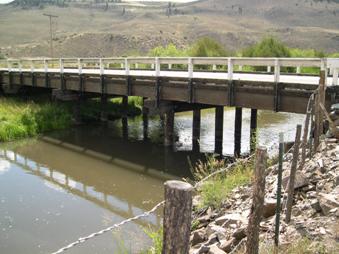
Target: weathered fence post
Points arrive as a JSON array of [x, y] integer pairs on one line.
[[307, 123], [320, 98], [290, 191], [258, 201], [177, 217], [277, 210]]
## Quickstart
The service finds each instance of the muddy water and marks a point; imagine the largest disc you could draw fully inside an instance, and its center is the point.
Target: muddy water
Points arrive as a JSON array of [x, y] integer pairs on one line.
[[71, 183]]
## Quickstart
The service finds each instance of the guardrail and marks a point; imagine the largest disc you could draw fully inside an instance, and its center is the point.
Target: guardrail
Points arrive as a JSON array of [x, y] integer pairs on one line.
[[229, 64]]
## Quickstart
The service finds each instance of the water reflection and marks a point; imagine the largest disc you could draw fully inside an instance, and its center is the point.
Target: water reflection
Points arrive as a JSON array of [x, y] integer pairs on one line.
[[72, 183]]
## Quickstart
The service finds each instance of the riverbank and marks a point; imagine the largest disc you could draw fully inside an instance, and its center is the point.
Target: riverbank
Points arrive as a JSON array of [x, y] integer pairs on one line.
[[21, 118], [314, 226]]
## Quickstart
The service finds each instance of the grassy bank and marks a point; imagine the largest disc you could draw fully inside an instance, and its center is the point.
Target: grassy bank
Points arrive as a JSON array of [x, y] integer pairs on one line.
[[21, 119]]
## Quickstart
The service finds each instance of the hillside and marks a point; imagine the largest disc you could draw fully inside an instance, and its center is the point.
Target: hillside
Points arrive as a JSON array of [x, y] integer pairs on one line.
[[88, 29]]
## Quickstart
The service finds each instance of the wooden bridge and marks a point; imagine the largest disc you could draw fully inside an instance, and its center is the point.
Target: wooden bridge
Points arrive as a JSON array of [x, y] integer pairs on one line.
[[180, 84]]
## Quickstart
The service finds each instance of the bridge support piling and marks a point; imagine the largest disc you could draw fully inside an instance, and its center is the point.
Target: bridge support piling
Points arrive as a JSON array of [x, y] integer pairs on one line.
[[253, 130], [196, 129], [124, 118], [169, 128], [145, 121], [103, 113], [237, 131], [219, 129], [77, 108]]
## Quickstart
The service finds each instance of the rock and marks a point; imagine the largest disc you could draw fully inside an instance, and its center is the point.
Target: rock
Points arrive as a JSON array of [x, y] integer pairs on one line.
[[300, 180], [227, 219], [203, 249], [315, 205], [269, 207], [212, 228], [327, 202], [214, 249], [227, 245], [198, 236], [239, 234]]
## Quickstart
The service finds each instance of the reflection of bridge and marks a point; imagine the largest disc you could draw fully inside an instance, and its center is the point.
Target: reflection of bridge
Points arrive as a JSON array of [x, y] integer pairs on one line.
[[114, 204], [177, 81]]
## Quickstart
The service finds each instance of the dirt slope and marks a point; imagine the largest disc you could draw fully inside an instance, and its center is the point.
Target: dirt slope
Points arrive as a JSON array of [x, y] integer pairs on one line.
[[92, 31]]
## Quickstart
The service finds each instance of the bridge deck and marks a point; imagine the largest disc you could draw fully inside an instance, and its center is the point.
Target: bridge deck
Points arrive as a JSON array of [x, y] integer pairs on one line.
[[274, 90]]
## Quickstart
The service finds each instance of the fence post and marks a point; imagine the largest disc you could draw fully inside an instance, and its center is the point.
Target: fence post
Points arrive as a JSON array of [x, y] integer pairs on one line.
[[280, 168], [290, 191], [258, 201], [305, 134], [177, 217], [320, 98]]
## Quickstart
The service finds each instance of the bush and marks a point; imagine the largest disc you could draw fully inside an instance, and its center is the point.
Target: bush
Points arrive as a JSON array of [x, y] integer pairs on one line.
[[268, 47], [207, 47]]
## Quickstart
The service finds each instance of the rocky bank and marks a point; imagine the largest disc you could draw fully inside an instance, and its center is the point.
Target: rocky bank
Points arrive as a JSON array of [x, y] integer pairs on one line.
[[315, 209]]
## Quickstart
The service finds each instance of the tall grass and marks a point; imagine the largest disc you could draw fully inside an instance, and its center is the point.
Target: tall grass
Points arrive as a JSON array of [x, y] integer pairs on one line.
[[216, 191], [20, 119]]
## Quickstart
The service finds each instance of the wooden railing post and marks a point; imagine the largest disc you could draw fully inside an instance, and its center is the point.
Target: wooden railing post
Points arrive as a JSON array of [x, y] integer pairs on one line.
[[177, 217], [276, 71], [230, 69], [190, 68], [258, 201], [290, 191]]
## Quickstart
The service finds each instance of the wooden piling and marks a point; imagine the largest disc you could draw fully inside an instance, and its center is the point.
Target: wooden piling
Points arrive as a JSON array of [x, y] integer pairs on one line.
[[252, 246], [196, 129], [169, 128], [290, 191], [103, 113], [177, 217], [219, 129], [145, 121], [237, 131], [253, 129]]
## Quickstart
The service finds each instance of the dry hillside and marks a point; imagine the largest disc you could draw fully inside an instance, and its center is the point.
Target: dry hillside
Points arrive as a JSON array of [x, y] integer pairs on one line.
[[119, 29]]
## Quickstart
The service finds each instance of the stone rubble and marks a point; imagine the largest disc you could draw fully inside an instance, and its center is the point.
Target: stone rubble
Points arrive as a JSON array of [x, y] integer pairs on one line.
[[315, 210]]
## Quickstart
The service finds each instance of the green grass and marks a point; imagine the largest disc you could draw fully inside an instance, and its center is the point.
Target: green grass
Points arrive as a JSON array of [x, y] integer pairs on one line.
[[157, 239], [19, 119], [216, 191]]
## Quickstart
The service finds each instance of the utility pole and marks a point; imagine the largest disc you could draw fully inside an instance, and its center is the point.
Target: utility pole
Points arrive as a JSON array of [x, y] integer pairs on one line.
[[50, 30]]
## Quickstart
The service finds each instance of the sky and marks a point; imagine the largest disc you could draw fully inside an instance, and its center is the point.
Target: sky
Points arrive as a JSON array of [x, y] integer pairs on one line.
[[5, 1]]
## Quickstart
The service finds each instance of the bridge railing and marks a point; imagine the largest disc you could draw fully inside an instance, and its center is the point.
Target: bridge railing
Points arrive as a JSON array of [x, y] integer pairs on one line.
[[229, 65]]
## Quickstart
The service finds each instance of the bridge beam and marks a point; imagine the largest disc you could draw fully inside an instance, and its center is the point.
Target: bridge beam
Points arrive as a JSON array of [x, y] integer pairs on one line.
[[219, 129], [237, 131], [196, 129]]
